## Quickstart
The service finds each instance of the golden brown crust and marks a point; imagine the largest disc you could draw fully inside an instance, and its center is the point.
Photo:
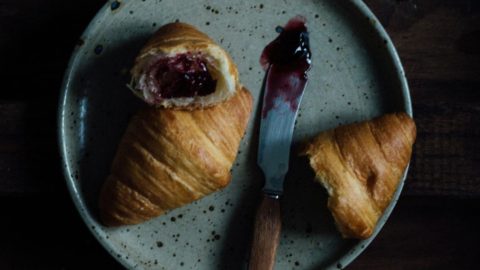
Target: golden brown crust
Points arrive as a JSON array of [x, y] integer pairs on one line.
[[168, 158], [174, 35], [361, 165], [179, 37]]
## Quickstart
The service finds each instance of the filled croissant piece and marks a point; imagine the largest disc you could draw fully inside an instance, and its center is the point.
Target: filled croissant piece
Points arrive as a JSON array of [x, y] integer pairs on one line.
[[361, 165], [169, 158], [181, 67]]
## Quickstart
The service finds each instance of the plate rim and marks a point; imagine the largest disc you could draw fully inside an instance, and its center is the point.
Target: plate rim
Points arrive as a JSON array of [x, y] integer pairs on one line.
[[66, 164], [89, 221]]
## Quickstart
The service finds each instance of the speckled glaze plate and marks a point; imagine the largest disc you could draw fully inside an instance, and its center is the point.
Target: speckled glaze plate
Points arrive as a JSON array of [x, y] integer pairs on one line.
[[356, 75]]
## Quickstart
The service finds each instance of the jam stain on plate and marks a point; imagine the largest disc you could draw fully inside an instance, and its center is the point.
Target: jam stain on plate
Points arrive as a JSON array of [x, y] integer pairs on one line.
[[287, 60]]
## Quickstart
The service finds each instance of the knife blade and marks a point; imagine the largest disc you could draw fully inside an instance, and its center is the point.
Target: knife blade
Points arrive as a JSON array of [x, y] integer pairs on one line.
[[287, 59], [279, 113]]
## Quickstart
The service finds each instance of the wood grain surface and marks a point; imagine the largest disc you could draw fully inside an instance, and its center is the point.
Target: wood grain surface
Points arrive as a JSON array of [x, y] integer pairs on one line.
[[266, 234], [434, 226], [439, 45]]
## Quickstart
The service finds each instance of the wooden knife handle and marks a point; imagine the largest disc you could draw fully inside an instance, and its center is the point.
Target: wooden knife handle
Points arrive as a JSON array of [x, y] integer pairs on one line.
[[266, 234]]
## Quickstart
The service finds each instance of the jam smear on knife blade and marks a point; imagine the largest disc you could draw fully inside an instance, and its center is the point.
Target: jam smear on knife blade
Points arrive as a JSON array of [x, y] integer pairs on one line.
[[287, 59]]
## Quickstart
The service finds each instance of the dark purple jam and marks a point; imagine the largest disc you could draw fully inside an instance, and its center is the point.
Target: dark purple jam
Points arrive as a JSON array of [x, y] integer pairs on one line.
[[185, 75], [287, 58], [290, 47]]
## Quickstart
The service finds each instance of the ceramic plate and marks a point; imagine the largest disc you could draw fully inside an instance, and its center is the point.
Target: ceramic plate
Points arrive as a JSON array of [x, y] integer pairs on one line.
[[356, 75]]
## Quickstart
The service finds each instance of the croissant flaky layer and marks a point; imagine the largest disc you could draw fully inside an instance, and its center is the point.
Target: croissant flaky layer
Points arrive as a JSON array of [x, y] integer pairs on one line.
[[181, 67], [361, 165], [169, 158]]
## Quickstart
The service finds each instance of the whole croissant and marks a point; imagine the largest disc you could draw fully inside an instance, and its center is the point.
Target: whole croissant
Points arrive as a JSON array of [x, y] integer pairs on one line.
[[361, 165], [168, 158], [181, 67]]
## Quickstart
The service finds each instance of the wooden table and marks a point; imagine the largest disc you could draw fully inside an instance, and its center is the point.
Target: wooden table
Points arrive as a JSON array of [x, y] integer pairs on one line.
[[435, 225]]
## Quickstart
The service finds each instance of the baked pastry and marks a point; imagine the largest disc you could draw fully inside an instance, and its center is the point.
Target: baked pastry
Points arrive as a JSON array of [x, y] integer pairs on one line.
[[361, 165], [181, 67], [168, 158]]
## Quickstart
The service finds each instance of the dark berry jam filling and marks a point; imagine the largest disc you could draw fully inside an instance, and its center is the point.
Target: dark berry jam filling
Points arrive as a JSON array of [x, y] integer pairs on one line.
[[184, 75]]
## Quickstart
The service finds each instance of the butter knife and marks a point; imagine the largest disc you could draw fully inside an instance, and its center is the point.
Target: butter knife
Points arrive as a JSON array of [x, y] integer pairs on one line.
[[287, 60]]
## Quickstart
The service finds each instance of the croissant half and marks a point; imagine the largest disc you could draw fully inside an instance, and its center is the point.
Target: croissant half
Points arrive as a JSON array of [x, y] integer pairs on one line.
[[181, 67], [168, 158], [361, 165]]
